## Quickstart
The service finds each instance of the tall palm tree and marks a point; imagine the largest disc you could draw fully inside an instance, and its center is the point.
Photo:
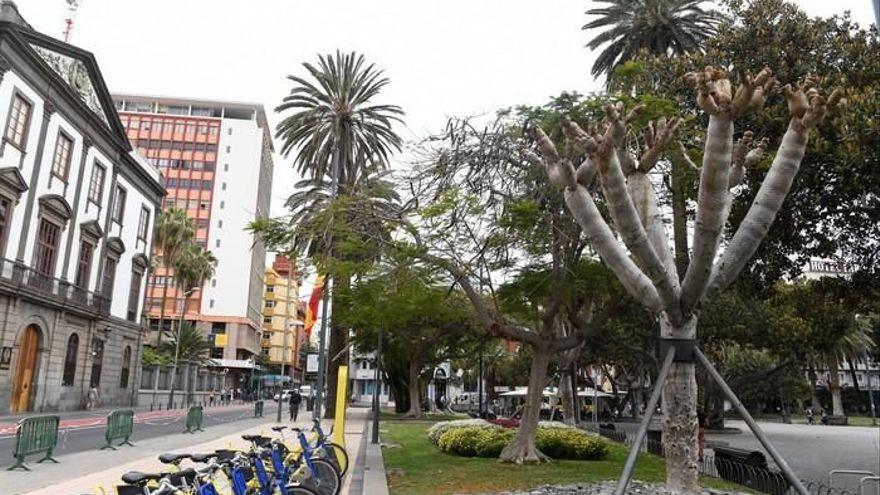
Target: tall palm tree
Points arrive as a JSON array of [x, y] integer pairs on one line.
[[172, 233], [337, 129], [193, 346], [852, 343], [658, 26], [334, 118]]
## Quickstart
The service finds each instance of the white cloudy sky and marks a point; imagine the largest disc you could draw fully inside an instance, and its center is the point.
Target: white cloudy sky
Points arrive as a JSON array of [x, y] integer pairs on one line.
[[444, 57]]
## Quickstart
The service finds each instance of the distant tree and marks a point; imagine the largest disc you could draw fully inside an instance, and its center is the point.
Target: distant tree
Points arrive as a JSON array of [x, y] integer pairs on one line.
[[662, 27], [193, 345], [172, 233]]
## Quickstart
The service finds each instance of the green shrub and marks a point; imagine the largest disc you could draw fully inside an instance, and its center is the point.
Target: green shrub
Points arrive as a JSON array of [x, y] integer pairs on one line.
[[474, 441], [442, 427], [569, 443]]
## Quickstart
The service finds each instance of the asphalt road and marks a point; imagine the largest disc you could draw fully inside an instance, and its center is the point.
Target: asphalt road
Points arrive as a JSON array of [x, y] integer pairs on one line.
[[85, 438], [811, 450]]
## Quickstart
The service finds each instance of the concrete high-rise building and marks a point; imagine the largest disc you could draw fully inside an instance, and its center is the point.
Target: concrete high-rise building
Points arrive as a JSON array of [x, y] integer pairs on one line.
[[280, 302], [216, 163]]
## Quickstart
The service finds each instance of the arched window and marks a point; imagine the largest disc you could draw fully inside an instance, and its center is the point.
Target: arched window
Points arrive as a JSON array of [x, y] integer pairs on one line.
[[126, 365], [97, 362], [70, 361]]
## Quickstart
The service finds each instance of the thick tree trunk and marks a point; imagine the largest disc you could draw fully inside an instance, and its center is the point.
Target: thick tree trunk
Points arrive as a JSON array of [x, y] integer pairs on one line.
[[814, 396], [522, 448], [567, 396], [415, 405], [834, 388], [337, 349], [680, 416]]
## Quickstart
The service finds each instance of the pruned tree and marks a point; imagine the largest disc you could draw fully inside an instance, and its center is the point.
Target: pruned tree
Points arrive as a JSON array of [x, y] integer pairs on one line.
[[644, 263], [496, 225]]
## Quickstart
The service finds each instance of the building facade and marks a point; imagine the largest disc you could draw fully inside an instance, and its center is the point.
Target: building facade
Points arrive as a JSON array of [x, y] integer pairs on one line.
[[76, 212], [216, 163], [281, 302]]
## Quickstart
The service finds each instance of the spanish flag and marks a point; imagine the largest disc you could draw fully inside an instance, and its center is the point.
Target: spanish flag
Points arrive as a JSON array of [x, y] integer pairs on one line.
[[314, 301]]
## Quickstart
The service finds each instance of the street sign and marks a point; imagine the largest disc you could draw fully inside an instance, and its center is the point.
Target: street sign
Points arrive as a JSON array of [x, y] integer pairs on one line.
[[312, 363]]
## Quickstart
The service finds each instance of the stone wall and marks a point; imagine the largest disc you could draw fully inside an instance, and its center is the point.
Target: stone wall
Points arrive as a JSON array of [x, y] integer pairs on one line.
[[55, 328]]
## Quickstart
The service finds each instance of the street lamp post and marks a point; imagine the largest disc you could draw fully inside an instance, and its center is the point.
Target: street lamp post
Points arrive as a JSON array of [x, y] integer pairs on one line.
[[377, 386], [177, 346]]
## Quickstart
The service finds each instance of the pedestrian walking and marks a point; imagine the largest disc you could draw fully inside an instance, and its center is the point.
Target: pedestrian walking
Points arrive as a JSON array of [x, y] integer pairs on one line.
[[294, 401], [92, 398], [809, 414], [211, 397]]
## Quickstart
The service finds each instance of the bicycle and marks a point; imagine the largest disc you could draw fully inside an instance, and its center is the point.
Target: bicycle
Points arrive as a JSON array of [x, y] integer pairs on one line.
[[298, 467], [335, 452]]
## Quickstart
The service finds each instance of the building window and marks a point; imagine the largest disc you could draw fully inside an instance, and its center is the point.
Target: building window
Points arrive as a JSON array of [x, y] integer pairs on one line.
[[217, 243], [212, 303], [219, 224], [63, 154], [47, 247], [97, 362], [84, 264], [96, 184], [126, 367], [19, 120], [119, 205], [267, 320], [109, 276], [213, 282], [270, 304], [222, 204], [229, 149], [5, 216], [226, 167], [144, 224], [70, 361], [270, 288], [134, 295], [223, 186]]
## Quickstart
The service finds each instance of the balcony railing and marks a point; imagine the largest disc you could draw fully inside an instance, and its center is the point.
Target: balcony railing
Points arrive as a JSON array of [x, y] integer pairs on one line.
[[27, 281]]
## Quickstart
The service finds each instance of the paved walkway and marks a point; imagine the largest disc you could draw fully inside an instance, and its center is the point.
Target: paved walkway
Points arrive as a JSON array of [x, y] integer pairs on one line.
[[83, 472]]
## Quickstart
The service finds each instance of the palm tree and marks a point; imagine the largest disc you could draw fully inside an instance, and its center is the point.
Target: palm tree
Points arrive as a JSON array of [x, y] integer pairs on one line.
[[334, 118], [336, 129], [190, 344], [172, 233], [659, 26], [852, 343]]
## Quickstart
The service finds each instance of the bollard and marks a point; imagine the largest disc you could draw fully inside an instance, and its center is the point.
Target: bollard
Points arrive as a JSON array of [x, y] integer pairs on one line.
[[120, 425], [258, 409], [34, 435], [194, 419]]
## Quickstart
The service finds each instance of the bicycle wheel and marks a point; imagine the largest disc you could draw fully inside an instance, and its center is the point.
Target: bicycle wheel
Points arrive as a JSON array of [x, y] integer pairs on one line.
[[338, 456], [328, 480], [300, 490]]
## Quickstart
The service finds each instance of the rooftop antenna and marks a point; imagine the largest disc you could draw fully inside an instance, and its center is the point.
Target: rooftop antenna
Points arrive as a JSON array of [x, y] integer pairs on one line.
[[72, 6]]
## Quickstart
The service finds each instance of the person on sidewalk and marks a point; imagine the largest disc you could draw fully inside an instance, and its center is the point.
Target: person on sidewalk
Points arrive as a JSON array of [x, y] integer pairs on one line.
[[295, 400], [92, 399]]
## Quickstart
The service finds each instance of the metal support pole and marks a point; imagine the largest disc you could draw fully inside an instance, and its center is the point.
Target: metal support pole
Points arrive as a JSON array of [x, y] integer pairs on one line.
[[322, 361], [744, 413], [870, 391], [377, 385], [643, 426], [574, 392], [480, 386]]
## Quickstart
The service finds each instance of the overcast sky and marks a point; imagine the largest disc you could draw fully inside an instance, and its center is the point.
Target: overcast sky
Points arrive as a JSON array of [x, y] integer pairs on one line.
[[444, 57]]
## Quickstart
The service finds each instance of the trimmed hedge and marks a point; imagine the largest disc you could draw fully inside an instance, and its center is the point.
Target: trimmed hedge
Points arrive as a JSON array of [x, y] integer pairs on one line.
[[569, 443], [442, 427], [474, 441], [486, 440]]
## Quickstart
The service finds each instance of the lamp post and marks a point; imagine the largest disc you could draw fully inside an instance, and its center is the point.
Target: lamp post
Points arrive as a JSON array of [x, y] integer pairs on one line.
[[177, 346]]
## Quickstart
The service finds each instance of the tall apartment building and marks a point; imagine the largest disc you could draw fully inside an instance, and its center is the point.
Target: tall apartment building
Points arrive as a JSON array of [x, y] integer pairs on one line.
[[216, 163], [282, 299], [76, 213]]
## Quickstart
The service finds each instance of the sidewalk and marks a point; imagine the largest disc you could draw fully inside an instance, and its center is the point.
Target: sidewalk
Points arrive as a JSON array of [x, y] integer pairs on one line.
[[83, 472], [368, 471]]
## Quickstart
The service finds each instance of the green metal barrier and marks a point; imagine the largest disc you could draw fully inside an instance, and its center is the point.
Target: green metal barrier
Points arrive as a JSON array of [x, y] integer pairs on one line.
[[258, 409], [120, 425], [194, 419], [34, 435]]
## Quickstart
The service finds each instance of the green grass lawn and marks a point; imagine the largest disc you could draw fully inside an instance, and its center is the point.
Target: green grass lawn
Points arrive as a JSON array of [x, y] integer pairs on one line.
[[417, 467]]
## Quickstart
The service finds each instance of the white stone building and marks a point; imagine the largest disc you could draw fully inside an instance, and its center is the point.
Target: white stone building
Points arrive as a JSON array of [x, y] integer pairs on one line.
[[76, 212]]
